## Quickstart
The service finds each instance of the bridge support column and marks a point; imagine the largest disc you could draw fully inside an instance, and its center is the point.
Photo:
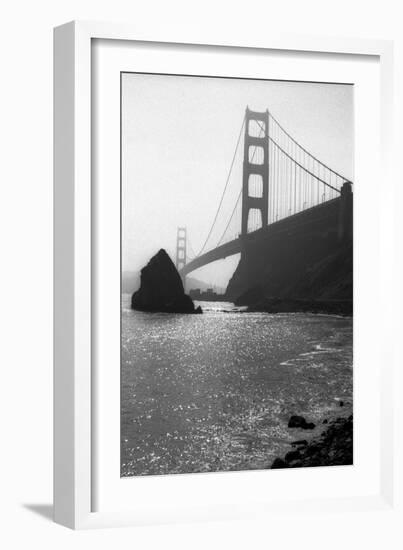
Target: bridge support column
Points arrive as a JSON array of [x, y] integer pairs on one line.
[[345, 229], [259, 168]]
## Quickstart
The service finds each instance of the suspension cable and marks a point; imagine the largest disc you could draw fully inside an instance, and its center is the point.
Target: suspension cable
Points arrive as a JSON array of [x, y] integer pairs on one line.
[[232, 215], [305, 151], [192, 254], [225, 187], [302, 167], [240, 192]]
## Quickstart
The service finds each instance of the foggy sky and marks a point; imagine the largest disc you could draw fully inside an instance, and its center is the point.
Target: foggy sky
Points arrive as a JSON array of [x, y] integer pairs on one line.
[[178, 139]]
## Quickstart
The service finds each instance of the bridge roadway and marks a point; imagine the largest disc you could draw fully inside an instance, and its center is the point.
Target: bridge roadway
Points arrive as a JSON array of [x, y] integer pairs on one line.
[[235, 246]]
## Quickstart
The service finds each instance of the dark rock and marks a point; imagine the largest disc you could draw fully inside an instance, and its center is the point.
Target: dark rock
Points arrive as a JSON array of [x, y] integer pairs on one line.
[[300, 442], [278, 463], [325, 421], [333, 448], [312, 449], [296, 421], [291, 456], [315, 461], [341, 403], [161, 288], [300, 422]]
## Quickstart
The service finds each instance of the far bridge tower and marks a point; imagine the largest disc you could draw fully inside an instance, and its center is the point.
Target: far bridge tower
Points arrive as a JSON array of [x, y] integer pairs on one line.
[[181, 248]]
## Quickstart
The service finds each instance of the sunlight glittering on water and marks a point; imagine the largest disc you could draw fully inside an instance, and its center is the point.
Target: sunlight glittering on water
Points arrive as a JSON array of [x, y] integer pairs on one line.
[[215, 391]]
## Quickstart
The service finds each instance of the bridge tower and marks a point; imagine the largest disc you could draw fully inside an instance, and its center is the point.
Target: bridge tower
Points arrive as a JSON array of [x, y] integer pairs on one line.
[[181, 238], [257, 171]]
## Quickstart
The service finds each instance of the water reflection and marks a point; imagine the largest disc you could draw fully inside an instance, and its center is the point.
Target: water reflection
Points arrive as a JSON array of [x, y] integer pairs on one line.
[[214, 391]]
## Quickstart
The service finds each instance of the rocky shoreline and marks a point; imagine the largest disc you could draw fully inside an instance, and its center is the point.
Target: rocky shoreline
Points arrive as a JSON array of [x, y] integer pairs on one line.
[[326, 307], [296, 305], [332, 447]]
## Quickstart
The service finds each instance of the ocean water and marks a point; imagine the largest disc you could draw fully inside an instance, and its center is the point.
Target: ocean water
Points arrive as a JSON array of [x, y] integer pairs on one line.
[[214, 392]]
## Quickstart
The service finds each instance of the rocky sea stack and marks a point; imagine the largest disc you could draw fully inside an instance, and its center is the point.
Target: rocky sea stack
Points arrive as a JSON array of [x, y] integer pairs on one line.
[[161, 288]]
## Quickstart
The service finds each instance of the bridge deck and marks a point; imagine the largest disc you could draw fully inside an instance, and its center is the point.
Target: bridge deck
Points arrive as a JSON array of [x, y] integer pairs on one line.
[[235, 246]]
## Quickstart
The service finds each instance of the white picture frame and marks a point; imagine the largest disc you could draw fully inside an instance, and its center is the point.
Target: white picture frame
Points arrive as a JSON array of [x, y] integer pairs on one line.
[[75, 391]]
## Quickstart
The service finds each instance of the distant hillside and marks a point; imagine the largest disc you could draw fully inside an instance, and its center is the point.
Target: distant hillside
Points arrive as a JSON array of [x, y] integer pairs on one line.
[[303, 269], [131, 282], [192, 283]]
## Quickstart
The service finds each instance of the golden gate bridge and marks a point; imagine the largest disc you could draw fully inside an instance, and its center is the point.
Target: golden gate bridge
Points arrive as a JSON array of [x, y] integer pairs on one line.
[[281, 180]]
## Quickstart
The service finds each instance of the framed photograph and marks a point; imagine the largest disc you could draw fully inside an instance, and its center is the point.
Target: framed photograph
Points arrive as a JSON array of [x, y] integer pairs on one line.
[[222, 237]]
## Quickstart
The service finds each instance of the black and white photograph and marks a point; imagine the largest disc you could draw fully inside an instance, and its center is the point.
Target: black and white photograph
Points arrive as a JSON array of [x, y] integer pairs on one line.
[[236, 274]]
